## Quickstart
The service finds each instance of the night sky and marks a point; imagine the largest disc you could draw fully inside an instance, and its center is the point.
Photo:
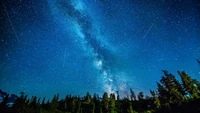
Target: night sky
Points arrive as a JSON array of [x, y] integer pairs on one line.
[[78, 46]]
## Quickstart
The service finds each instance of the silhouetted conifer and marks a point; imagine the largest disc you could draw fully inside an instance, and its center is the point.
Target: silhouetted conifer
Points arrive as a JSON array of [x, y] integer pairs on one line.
[[133, 96], [105, 103]]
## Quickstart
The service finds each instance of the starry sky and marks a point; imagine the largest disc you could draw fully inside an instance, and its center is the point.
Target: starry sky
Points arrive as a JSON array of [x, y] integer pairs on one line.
[[78, 46]]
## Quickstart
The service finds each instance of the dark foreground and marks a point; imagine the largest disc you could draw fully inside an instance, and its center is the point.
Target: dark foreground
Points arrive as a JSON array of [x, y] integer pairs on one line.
[[171, 96]]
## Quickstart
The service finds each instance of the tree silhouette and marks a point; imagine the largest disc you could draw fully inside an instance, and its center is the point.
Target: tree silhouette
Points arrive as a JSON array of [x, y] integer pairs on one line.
[[170, 96], [191, 86], [156, 101], [140, 96], [3, 104], [105, 103], [54, 102], [133, 96], [88, 97], [174, 93], [112, 105]]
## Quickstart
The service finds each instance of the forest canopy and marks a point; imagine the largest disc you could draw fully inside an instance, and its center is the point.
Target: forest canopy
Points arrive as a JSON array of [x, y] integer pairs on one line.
[[171, 95]]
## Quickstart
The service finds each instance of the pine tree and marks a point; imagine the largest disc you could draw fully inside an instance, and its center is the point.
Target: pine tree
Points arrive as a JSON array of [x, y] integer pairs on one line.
[[130, 108], [94, 97], [118, 95], [92, 107], [140, 96], [156, 100], [105, 103], [38, 102], [66, 102], [78, 107], [33, 103], [133, 96], [88, 97], [191, 86], [112, 95], [73, 105], [3, 103], [112, 105], [54, 103], [97, 103], [175, 92], [43, 102], [22, 94], [19, 103], [163, 95]]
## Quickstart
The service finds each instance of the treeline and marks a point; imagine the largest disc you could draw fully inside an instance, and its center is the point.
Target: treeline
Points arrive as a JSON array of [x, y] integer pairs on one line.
[[171, 96]]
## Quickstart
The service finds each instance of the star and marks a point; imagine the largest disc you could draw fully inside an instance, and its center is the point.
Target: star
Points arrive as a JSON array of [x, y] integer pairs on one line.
[[79, 46]]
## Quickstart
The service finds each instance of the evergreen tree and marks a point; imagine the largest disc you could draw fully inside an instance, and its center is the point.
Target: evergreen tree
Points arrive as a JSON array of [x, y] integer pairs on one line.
[[19, 103], [112, 105], [43, 102], [191, 86], [22, 94], [140, 96], [97, 103], [94, 97], [156, 100], [27, 103], [130, 108], [93, 107], [88, 97], [54, 103], [163, 95], [133, 96], [3, 103], [73, 104], [112, 95], [66, 103], [38, 102], [118, 95], [33, 103], [174, 90], [105, 103], [78, 107]]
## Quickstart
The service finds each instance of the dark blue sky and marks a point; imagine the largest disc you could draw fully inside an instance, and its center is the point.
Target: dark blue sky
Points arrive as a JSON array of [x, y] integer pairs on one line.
[[74, 46]]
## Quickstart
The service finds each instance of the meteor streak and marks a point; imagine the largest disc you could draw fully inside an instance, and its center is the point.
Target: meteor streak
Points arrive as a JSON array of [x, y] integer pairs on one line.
[[10, 21], [148, 30]]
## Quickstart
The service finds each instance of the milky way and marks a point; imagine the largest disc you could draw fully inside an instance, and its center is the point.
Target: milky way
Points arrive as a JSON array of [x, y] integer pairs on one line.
[[74, 12]]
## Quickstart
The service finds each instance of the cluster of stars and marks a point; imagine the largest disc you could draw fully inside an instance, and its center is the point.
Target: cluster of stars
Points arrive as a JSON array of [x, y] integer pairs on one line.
[[74, 47]]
